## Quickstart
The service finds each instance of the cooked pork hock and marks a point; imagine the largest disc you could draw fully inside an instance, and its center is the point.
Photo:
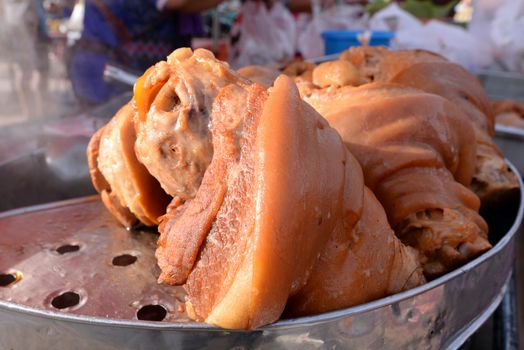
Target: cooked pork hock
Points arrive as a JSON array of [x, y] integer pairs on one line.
[[493, 181], [127, 189], [417, 151], [173, 100], [282, 213]]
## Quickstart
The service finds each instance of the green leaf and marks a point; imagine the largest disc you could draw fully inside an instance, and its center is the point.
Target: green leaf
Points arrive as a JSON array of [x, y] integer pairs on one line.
[[426, 9], [443, 10], [419, 8], [376, 5]]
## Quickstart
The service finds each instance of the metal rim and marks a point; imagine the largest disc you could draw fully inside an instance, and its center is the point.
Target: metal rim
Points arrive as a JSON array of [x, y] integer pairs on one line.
[[474, 325], [509, 131], [290, 323]]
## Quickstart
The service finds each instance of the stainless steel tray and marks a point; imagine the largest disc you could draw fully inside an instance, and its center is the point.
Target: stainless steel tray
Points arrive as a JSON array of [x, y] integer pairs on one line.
[[511, 142], [83, 282], [501, 85]]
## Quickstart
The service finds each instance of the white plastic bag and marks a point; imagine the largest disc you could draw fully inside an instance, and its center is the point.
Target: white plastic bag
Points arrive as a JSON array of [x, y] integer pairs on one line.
[[501, 24], [310, 43], [395, 19], [459, 46], [450, 41], [507, 32], [483, 14], [267, 36], [408, 29]]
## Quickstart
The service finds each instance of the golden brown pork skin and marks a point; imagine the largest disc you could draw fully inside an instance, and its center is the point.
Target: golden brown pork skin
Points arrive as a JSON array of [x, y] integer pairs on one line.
[[336, 73], [362, 260], [262, 75], [127, 189], [509, 113], [417, 151], [379, 64], [493, 181], [299, 70], [160, 142], [280, 206], [173, 100], [281, 191], [109, 198]]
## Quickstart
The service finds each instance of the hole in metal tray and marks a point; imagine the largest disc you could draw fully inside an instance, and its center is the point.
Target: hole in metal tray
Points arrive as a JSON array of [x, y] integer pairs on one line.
[[65, 300], [124, 260], [68, 248], [151, 313], [7, 279]]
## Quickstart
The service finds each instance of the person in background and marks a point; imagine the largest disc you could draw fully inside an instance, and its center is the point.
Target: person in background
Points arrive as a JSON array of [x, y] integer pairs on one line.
[[42, 48], [24, 29], [297, 6], [132, 34]]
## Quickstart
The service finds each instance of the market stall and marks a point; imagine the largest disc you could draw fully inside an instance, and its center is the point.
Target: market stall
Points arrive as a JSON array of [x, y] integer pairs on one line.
[[312, 174]]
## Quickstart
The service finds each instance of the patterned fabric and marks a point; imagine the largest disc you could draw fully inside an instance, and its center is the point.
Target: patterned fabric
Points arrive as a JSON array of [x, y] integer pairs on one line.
[[153, 35]]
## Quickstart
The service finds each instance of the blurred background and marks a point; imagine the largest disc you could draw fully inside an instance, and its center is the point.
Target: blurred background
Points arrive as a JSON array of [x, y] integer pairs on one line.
[[66, 66], [53, 53]]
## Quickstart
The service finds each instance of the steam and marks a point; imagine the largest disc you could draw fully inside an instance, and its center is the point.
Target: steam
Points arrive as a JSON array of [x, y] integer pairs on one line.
[[33, 78]]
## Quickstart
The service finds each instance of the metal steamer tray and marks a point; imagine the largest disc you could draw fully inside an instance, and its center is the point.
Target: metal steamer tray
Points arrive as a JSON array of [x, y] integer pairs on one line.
[[511, 141], [72, 278]]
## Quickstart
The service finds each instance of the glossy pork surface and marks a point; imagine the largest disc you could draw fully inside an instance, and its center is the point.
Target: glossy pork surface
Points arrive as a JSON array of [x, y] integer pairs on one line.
[[492, 181], [280, 192], [418, 154]]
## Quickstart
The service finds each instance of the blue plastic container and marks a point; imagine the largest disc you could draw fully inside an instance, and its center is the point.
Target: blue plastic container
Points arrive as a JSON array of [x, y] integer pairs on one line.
[[340, 40]]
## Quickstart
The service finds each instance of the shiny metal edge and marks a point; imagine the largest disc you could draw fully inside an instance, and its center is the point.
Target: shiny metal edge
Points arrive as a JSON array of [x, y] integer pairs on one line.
[[471, 328], [321, 59], [120, 75], [46, 206], [499, 74], [508, 131], [282, 324]]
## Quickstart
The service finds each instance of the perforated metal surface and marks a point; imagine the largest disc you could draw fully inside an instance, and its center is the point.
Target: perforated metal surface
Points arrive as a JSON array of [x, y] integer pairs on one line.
[[76, 250], [63, 291]]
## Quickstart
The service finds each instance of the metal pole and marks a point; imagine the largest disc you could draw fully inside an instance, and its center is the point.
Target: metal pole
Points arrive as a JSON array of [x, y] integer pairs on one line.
[[215, 30]]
